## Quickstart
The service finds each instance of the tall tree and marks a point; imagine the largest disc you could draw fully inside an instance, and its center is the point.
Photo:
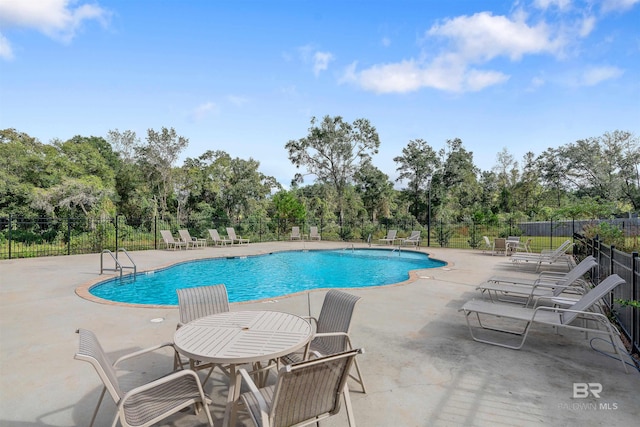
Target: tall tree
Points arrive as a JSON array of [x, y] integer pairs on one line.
[[159, 155], [375, 189], [333, 151], [459, 180], [417, 164]]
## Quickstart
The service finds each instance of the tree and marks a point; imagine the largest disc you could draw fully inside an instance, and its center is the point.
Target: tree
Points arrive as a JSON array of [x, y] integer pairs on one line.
[[158, 156], [417, 164], [333, 150], [459, 180], [375, 189]]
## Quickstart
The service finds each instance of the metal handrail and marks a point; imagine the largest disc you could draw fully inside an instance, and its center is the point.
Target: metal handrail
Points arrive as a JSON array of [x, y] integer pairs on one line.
[[118, 265]]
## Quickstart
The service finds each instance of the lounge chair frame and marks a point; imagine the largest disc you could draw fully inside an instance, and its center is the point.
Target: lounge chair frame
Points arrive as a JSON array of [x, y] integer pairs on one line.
[[547, 315]]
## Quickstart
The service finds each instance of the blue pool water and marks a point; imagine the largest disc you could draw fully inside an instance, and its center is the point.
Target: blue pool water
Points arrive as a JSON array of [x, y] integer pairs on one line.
[[269, 276]]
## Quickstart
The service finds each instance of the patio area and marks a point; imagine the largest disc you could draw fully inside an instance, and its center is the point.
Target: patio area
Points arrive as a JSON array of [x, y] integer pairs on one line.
[[420, 366]]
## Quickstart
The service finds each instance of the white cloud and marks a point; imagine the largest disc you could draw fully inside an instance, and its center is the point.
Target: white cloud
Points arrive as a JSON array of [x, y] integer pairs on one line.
[[6, 52], [54, 18], [472, 41], [596, 75], [386, 42], [586, 26], [321, 61], [618, 5], [483, 37], [545, 4], [203, 110]]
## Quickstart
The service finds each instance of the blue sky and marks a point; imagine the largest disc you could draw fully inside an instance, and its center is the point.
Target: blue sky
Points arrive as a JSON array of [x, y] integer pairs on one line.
[[245, 77]]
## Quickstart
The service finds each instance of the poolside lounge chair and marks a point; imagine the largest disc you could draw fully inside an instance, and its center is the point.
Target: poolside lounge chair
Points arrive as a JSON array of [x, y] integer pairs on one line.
[[413, 239], [332, 329], [169, 241], [390, 237], [313, 233], [304, 393], [197, 302], [191, 241], [557, 256], [524, 246], [231, 232], [217, 240], [526, 291], [147, 404], [547, 315], [295, 233]]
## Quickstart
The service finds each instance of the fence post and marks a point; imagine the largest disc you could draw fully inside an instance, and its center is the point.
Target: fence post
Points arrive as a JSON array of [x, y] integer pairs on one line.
[[635, 315], [116, 248], [550, 233], [68, 235], [10, 237], [155, 232]]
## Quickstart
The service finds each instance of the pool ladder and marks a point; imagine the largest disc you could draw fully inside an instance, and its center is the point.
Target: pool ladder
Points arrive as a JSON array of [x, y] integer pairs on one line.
[[118, 265]]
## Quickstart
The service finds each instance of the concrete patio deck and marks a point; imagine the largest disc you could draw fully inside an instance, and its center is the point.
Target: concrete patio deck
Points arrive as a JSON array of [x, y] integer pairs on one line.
[[421, 367]]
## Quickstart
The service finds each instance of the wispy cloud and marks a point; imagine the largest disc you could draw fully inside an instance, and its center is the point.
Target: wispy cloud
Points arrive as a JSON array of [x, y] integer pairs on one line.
[[318, 59], [238, 101], [6, 52], [595, 75], [58, 19], [618, 5], [203, 111], [321, 61]]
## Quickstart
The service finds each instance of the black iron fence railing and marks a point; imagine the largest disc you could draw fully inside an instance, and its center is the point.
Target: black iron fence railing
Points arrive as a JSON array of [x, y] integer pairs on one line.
[[21, 238], [627, 266]]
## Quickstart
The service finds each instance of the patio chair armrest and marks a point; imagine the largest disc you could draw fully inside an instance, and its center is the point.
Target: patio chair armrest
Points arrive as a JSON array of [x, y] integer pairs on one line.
[[590, 314], [144, 351], [243, 376], [164, 380]]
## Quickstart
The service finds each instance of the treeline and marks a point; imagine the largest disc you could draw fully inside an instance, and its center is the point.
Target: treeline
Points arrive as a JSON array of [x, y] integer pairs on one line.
[[119, 173]]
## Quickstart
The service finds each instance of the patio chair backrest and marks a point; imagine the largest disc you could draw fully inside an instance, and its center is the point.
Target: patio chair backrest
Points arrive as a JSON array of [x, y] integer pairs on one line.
[[313, 232], [310, 389], [335, 316], [91, 351], [201, 301], [415, 235], [392, 234], [592, 297]]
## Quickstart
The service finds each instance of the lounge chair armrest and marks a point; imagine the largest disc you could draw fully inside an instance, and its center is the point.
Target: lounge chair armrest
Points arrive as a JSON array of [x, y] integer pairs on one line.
[[144, 351]]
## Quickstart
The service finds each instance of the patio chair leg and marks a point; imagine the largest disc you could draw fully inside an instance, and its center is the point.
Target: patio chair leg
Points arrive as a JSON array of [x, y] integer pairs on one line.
[[95, 412]]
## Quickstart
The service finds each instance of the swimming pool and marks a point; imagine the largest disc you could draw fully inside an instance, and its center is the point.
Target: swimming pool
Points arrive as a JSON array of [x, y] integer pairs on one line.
[[268, 276]]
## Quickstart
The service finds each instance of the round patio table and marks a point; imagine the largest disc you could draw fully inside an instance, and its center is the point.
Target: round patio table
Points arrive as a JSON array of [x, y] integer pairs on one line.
[[239, 337]]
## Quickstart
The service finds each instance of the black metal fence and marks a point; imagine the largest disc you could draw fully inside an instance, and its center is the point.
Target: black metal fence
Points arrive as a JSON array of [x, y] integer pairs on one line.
[[627, 266], [21, 238]]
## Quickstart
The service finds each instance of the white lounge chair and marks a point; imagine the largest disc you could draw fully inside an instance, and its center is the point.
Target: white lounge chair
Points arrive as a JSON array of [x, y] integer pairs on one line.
[[231, 232], [169, 241], [295, 233], [191, 241], [413, 239], [527, 291], [390, 237], [147, 404], [313, 233], [546, 315], [557, 256], [217, 240]]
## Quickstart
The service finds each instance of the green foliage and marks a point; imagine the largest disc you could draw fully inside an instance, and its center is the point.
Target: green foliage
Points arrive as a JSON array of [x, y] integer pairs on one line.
[[628, 303]]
